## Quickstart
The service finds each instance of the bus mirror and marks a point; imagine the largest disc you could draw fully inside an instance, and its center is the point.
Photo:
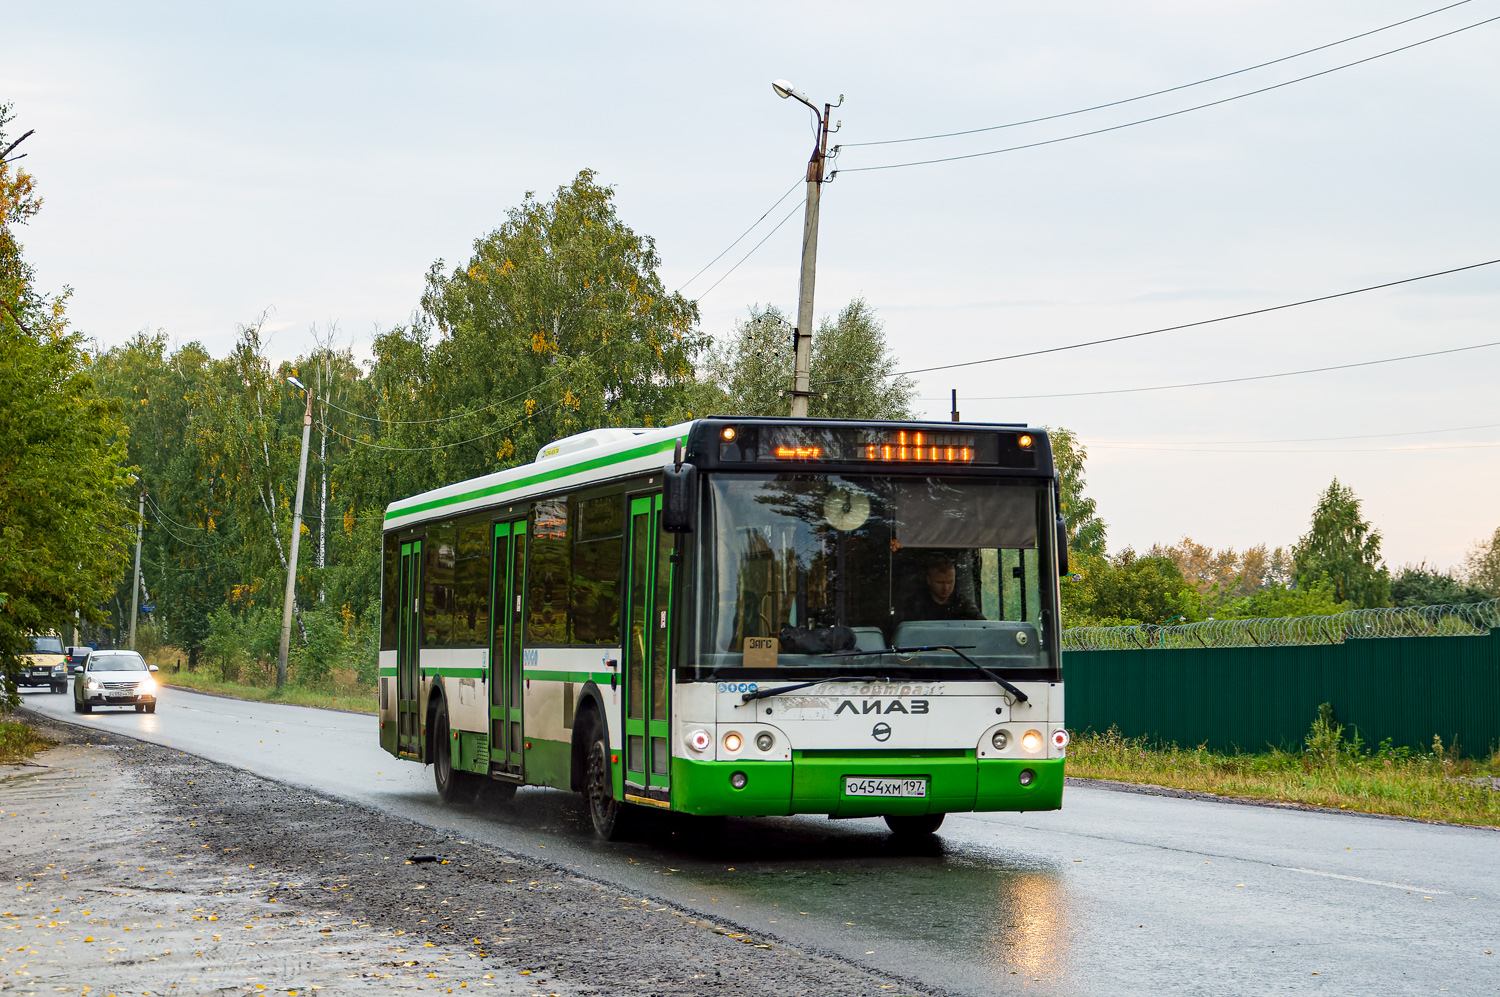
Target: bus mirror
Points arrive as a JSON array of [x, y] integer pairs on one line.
[[1062, 547], [679, 498]]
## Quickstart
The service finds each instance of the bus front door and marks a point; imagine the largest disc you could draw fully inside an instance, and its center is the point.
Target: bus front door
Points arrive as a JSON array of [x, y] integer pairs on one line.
[[509, 562], [648, 745], [408, 643]]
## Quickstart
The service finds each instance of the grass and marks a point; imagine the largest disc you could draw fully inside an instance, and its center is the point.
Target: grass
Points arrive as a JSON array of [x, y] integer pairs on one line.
[[1331, 772], [19, 742], [360, 701]]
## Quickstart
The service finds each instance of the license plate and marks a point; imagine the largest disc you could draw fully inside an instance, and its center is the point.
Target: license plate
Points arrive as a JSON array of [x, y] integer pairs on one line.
[[899, 788]]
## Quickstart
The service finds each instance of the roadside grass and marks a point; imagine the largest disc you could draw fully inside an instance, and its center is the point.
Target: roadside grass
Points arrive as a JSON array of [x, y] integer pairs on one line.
[[19, 742], [345, 698], [1330, 772]]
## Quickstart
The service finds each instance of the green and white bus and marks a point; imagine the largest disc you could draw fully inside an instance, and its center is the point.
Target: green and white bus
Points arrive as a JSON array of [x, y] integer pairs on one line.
[[738, 616]]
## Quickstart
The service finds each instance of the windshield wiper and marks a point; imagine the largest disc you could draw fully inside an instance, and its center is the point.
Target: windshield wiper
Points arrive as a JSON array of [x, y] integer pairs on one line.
[[764, 693], [1021, 697]]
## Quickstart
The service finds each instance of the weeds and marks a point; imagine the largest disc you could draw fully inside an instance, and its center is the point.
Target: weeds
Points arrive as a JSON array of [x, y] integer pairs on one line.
[[19, 742], [1332, 771]]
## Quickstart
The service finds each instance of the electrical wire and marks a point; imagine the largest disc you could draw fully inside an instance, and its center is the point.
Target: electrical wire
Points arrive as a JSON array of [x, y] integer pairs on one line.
[[747, 231], [762, 242], [441, 446], [1300, 439], [1426, 449], [1185, 325], [1158, 93], [1168, 114], [1232, 380]]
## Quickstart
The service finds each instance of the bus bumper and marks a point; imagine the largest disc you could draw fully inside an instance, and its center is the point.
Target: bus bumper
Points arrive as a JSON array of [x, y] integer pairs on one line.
[[815, 785]]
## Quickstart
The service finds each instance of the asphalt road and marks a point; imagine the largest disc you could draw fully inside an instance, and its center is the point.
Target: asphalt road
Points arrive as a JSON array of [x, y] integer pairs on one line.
[[1118, 893]]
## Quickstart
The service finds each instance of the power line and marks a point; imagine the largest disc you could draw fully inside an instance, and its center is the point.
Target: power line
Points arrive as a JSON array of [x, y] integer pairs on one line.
[[440, 446], [1185, 325], [1422, 449], [1233, 380], [1301, 439], [762, 242], [747, 231], [1158, 93], [1169, 114]]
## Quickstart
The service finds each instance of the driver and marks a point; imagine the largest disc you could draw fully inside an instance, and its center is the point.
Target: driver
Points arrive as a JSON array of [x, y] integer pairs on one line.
[[940, 600]]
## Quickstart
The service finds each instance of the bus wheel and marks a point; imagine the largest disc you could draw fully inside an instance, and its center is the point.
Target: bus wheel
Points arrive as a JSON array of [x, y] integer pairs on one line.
[[608, 814], [914, 826], [453, 786]]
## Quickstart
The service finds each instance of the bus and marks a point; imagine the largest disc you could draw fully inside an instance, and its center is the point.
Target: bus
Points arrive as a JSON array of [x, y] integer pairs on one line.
[[738, 617]]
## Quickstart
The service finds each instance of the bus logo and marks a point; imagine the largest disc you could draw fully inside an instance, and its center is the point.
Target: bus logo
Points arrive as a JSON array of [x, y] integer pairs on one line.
[[881, 732], [918, 707]]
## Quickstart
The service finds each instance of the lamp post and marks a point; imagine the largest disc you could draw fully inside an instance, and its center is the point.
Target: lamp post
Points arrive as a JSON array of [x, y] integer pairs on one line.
[[291, 561], [801, 387], [135, 588]]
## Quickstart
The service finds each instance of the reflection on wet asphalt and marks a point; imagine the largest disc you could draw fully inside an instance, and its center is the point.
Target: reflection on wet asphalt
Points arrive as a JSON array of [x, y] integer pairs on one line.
[[1116, 894]]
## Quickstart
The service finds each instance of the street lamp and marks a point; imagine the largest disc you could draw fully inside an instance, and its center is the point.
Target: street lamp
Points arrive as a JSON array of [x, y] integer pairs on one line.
[[291, 561], [801, 387]]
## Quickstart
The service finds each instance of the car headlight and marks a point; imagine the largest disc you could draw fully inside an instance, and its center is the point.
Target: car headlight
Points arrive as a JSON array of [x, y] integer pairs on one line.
[[59, 669], [148, 686], [92, 684]]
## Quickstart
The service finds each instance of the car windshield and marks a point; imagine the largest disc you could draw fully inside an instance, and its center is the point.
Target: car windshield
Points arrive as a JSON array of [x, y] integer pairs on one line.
[[801, 566], [46, 645], [117, 663]]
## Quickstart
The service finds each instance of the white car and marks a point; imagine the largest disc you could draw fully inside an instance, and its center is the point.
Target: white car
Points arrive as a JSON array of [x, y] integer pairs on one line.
[[115, 678]]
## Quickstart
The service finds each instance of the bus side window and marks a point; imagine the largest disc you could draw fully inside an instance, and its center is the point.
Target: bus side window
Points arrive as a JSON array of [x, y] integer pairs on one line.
[[548, 574], [440, 555], [389, 592], [598, 549], [471, 617]]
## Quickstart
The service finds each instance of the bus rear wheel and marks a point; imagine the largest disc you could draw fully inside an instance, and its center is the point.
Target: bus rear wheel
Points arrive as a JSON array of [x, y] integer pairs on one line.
[[914, 825], [453, 786], [608, 814]]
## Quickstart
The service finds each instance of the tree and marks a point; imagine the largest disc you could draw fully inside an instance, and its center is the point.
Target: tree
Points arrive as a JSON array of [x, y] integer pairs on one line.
[[1086, 531], [1420, 585], [1224, 577], [1343, 548], [64, 522], [1128, 588], [1482, 565], [558, 323], [853, 368]]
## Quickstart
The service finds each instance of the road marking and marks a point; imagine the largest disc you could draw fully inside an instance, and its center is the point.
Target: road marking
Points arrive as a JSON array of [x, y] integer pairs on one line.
[[1356, 879]]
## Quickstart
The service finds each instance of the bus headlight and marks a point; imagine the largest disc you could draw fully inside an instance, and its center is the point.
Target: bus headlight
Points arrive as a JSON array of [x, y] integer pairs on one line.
[[1032, 741], [733, 742], [1000, 740], [1060, 738], [764, 741], [699, 740]]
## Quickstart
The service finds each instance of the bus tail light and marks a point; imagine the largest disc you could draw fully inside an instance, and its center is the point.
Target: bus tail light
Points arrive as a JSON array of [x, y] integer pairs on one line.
[[699, 740], [1060, 738]]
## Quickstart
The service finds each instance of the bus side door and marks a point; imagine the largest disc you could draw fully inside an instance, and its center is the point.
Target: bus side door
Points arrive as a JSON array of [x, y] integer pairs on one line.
[[505, 683], [648, 675], [408, 640]]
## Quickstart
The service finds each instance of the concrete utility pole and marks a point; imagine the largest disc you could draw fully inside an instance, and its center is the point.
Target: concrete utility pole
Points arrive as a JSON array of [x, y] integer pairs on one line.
[[291, 561], [135, 589], [801, 371]]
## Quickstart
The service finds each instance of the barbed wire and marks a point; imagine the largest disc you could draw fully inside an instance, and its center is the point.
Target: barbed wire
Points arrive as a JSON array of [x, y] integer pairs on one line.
[[1468, 620]]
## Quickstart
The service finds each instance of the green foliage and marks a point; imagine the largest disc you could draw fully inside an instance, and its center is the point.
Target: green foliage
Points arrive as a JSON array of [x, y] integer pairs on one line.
[[1325, 738], [1125, 589], [1344, 548], [1086, 531], [1419, 585], [1482, 565], [852, 367], [64, 522], [1276, 600]]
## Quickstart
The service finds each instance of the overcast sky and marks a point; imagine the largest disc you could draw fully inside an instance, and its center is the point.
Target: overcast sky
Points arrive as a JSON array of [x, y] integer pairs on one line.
[[202, 164]]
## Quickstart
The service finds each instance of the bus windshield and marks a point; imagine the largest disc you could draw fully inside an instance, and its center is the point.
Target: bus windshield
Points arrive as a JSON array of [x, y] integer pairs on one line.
[[799, 567]]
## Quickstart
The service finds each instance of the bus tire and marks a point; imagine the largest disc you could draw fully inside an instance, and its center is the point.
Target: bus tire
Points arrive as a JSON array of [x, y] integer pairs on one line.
[[610, 816], [453, 786], [914, 825]]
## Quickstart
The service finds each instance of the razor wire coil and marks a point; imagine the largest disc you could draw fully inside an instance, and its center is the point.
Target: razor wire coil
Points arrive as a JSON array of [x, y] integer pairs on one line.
[[1469, 620]]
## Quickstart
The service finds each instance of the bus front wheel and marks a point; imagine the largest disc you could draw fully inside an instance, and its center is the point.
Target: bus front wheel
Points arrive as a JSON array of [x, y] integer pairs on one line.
[[914, 826], [453, 786]]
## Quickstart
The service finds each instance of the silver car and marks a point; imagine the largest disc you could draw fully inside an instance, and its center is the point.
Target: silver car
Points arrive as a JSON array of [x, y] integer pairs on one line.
[[115, 678]]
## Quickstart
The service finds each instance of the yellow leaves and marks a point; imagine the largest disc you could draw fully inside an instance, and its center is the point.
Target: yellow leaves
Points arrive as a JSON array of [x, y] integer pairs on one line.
[[349, 522], [506, 450], [571, 400], [541, 344], [531, 407]]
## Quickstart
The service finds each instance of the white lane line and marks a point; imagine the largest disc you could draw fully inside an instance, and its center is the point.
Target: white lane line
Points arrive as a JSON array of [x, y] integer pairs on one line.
[[1356, 879]]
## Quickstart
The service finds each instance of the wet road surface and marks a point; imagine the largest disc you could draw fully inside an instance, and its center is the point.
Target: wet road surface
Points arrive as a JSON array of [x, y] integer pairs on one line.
[[1118, 893]]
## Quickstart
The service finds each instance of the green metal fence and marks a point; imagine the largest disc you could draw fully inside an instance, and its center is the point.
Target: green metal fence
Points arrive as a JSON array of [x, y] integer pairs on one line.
[[1406, 689]]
